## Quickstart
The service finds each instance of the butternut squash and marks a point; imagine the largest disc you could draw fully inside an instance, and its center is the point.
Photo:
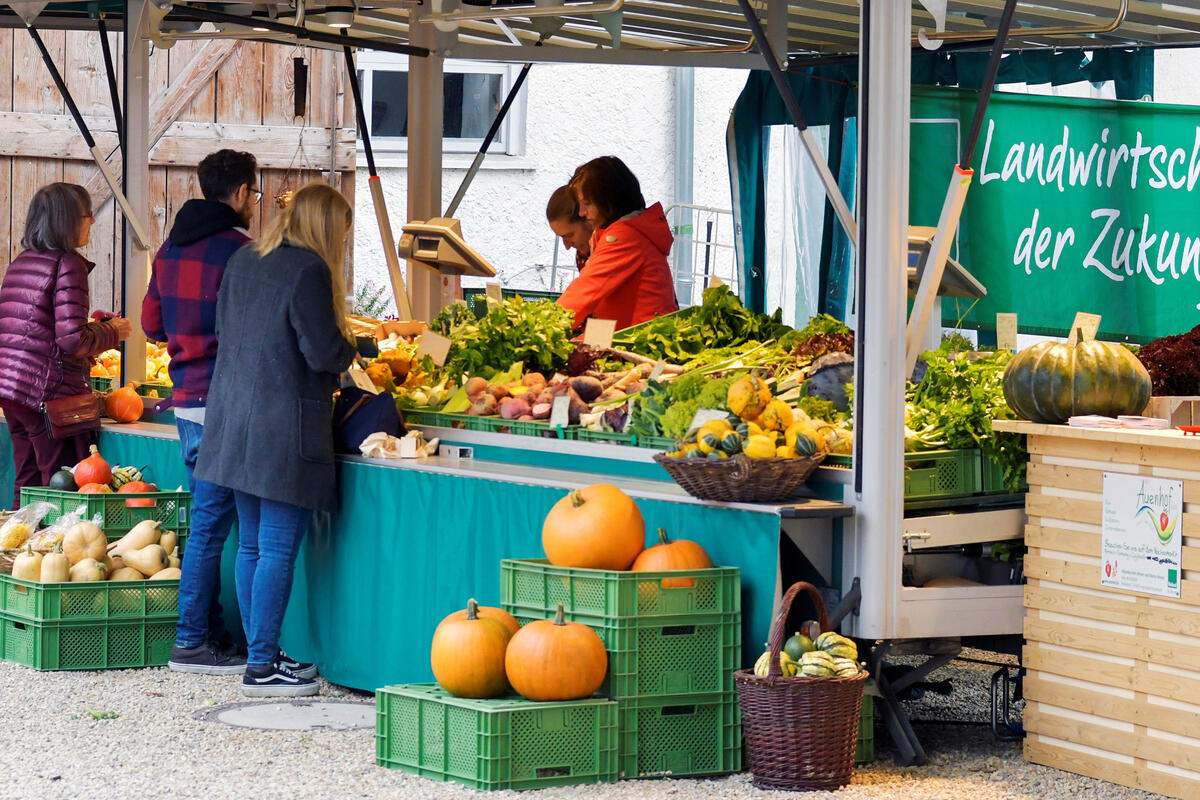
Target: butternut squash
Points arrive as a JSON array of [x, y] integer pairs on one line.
[[174, 561], [84, 540], [88, 569], [112, 563], [28, 565], [168, 541], [168, 574], [56, 567], [127, 574], [146, 532], [147, 560]]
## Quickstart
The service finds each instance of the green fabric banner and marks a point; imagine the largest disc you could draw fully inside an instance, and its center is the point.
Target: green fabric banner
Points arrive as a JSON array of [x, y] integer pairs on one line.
[[1076, 205]]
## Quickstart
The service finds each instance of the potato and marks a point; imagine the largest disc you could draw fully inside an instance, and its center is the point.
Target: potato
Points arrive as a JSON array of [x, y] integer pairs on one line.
[[587, 388], [498, 392], [514, 408], [484, 406], [474, 386], [526, 418], [534, 379]]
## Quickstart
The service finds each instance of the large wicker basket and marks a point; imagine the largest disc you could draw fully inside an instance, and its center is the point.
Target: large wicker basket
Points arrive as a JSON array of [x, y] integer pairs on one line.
[[740, 479], [800, 733]]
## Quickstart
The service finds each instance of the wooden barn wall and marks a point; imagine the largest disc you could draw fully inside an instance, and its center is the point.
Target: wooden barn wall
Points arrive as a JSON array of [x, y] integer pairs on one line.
[[205, 95]]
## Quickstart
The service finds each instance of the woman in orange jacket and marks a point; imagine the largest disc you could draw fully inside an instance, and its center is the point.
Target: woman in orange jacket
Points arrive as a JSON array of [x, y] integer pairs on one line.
[[627, 278]]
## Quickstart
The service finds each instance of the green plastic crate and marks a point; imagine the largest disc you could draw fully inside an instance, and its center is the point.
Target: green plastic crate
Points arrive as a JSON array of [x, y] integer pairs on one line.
[[437, 419], [508, 743], [655, 442], [661, 658], [684, 735], [864, 752], [934, 473], [163, 390], [53, 602], [83, 644], [604, 437], [101, 384], [534, 588], [172, 509], [993, 478]]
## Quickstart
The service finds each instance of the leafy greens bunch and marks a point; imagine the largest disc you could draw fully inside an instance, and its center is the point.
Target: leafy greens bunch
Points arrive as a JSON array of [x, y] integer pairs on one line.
[[535, 332]]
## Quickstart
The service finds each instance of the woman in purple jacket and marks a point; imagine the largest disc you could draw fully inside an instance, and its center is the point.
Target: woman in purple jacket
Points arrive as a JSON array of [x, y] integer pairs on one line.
[[46, 340]]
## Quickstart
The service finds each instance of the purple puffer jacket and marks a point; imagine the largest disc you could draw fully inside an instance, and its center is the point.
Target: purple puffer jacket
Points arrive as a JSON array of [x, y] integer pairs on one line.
[[46, 340]]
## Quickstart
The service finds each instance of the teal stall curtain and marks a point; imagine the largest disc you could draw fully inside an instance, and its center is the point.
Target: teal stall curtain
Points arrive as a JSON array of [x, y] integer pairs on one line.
[[828, 96]]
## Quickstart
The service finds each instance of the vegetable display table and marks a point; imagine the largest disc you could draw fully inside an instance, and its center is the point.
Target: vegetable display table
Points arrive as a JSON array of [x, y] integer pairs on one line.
[[1113, 680], [414, 540]]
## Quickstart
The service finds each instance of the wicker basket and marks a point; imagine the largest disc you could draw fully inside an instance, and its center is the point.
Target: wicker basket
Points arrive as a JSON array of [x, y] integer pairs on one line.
[[800, 733], [740, 479]]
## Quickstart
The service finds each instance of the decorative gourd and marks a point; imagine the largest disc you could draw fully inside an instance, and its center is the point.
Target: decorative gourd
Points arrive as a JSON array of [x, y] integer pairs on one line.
[[56, 567], [124, 404], [748, 397], [671, 555], [84, 540], [598, 527], [93, 469], [1054, 381], [777, 416], [63, 481], [731, 443], [138, 486], [468, 654], [553, 661], [804, 439], [486, 612], [27, 566], [123, 475]]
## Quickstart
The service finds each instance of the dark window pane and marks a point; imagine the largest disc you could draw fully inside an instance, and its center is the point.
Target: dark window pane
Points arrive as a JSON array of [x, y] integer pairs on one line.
[[471, 102], [389, 106]]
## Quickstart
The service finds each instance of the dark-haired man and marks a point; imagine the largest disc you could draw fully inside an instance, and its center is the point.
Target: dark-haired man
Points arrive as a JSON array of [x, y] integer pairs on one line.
[[181, 308]]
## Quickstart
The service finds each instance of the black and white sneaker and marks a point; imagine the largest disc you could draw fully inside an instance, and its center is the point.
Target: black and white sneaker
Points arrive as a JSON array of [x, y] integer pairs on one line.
[[301, 668], [205, 659], [276, 680]]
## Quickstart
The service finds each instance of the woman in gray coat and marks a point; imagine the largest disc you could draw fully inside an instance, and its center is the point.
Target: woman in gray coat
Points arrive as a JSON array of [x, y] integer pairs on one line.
[[281, 323]]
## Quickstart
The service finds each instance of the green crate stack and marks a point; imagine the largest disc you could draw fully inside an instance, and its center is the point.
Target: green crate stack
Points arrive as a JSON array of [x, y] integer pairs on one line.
[[864, 752], [672, 653], [87, 644], [936, 474], [507, 743], [993, 478], [93, 600], [604, 437], [171, 509]]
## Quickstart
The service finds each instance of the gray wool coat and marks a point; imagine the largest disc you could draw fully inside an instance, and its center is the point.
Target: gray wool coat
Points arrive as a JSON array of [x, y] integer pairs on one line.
[[269, 422]]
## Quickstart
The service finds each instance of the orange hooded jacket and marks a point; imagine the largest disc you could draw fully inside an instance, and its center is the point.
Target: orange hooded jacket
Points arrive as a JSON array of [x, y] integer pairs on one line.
[[627, 277]]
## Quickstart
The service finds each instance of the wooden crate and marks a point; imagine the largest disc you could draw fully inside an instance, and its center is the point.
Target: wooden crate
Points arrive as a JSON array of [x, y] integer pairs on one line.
[[1176, 410], [1113, 686]]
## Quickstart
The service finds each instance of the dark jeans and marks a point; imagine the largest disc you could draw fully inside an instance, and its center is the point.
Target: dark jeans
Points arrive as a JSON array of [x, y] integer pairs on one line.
[[36, 455], [200, 585], [269, 534]]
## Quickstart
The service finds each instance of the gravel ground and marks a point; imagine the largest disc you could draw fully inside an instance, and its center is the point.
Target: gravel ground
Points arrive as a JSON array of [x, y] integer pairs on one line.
[[148, 743]]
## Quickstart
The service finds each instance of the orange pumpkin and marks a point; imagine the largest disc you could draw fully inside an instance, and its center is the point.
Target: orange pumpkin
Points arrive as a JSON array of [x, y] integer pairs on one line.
[[488, 612], [93, 469], [670, 555], [556, 660], [95, 488], [138, 486], [124, 404], [598, 527], [467, 655]]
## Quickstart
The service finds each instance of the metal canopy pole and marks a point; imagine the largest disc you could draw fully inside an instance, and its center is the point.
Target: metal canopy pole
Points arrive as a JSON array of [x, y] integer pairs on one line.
[[97, 155], [112, 76], [390, 255], [956, 196], [793, 106]]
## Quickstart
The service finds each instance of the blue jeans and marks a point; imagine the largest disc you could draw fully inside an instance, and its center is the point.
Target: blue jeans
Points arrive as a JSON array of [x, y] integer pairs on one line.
[[212, 517], [270, 534]]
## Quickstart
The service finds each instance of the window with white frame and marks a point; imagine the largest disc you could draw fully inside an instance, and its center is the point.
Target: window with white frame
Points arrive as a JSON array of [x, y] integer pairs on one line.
[[473, 92]]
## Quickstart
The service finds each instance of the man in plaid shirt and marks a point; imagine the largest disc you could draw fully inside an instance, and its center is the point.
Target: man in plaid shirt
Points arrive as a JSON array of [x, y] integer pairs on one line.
[[181, 309]]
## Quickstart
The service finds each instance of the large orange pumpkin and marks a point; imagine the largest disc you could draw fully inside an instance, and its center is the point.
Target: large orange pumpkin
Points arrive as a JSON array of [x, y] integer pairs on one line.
[[124, 404], [467, 655], [671, 555], [93, 469], [556, 660], [598, 527], [488, 612]]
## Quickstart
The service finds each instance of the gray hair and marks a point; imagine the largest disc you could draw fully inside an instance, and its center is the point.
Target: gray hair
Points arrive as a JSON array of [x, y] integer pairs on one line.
[[55, 216]]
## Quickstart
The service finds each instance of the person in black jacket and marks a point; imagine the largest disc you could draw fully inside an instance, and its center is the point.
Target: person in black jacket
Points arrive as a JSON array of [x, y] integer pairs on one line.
[[281, 320]]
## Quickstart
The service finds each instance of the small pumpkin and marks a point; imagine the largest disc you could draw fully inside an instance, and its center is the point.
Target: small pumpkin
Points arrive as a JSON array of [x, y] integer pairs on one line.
[[95, 488], [777, 416], [467, 655], [597, 527], [1054, 381], [138, 487], [93, 469], [84, 540], [124, 404], [748, 397], [670, 555], [487, 612], [556, 660]]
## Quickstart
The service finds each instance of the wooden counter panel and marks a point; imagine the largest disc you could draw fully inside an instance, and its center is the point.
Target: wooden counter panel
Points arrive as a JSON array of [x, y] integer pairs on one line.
[[1126, 773], [1082, 479], [1086, 543], [1117, 452]]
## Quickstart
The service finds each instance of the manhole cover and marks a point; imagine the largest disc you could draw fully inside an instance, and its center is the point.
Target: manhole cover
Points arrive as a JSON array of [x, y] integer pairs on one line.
[[293, 715]]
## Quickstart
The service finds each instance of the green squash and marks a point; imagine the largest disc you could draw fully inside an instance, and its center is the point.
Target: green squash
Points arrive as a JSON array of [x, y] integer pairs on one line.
[[805, 445], [1054, 381], [731, 443], [62, 480]]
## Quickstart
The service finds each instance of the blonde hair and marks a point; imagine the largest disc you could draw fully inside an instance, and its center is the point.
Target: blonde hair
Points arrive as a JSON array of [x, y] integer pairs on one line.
[[317, 219]]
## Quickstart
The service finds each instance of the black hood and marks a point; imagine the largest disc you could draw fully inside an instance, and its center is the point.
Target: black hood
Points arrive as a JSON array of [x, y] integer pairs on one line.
[[200, 218]]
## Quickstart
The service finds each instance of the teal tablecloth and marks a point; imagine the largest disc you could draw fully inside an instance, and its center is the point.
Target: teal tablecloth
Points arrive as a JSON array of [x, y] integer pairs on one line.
[[409, 547]]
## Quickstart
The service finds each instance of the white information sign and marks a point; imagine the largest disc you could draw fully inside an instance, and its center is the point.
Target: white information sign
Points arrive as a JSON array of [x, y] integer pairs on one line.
[[1141, 543]]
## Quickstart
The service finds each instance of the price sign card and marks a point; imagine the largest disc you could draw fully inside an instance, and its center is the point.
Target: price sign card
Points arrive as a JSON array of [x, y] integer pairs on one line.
[[714, 281], [493, 292], [1141, 539], [657, 371], [435, 346], [359, 376], [599, 332], [1089, 324], [1006, 331], [704, 415], [559, 411]]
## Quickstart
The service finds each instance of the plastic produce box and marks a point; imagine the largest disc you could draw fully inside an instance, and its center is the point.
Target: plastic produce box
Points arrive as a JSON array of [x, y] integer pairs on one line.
[[682, 735], [993, 477], [172, 509], [534, 588], [604, 437], [53, 602], [87, 644], [101, 384], [507, 743], [864, 752], [941, 473]]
